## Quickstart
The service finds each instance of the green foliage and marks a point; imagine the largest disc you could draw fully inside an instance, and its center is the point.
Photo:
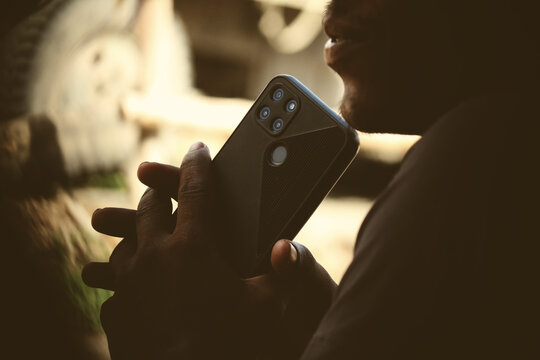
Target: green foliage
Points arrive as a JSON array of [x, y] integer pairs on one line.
[[87, 300], [115, 180], [70, 253]]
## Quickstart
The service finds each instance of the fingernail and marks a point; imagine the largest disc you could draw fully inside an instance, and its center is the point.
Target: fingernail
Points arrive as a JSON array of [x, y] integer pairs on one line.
[[293, 254], [196, 146]]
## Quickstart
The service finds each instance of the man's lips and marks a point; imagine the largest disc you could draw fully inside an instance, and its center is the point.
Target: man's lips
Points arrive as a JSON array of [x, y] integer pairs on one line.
[[337, 50], [345, 40]]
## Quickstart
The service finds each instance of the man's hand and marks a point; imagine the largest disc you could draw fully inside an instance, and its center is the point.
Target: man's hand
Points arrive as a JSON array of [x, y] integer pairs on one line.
[[175, 295]]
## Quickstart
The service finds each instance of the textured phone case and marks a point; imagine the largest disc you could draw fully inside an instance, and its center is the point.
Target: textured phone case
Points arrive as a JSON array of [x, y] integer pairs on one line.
[[262, 203]]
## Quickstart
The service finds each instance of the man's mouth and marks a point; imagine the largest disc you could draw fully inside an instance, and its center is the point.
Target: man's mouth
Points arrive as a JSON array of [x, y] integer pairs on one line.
[[338, 49], [345, 38]]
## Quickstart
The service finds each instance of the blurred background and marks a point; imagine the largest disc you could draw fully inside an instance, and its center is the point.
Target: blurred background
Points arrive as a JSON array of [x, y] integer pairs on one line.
[[91, 88]]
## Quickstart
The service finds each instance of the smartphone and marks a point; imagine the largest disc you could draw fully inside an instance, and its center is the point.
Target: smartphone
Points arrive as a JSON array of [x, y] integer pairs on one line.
[[275, 169]]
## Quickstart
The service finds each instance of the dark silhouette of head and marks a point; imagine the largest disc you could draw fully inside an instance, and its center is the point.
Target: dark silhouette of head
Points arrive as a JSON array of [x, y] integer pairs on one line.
[[406, 62]]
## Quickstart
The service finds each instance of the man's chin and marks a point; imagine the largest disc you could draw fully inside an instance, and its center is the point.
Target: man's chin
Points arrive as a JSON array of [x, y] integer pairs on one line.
[[364, 118], [377, 118]]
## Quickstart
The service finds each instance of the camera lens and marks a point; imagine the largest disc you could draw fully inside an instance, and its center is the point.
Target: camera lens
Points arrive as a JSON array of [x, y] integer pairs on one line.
[[264, 113], [277, 126], [291, 106], [278, 94]]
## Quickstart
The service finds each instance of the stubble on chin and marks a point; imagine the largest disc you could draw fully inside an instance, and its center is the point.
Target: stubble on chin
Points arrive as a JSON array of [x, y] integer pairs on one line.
[[359, 113], [348, 113]]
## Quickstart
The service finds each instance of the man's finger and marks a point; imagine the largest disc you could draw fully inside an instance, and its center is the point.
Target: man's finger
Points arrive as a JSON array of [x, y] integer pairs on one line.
[[122, 254], [163, 178], [98, 275], [154, 217], [193, 190], [284, 257], [294, 262], [114, 221]]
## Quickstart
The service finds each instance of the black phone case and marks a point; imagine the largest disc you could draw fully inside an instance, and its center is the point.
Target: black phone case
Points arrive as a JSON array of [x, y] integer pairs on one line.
[[262, 203]]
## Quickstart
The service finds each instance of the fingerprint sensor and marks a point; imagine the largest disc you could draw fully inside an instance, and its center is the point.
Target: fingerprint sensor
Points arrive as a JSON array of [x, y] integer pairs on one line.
[[278, 156]]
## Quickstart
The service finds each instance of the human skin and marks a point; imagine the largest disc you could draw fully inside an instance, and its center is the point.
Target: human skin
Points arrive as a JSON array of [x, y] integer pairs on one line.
[[176, 297], [405, 63], [399, 68]]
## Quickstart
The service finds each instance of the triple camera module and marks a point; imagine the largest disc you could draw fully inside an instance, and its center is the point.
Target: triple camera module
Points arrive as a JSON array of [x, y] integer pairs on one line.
[[278, 108]]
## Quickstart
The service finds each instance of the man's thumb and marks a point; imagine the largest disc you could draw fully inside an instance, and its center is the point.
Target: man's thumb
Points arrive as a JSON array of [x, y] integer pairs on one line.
[[284, 257]]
